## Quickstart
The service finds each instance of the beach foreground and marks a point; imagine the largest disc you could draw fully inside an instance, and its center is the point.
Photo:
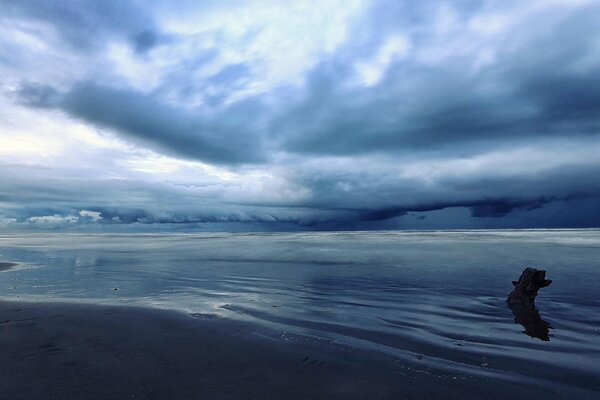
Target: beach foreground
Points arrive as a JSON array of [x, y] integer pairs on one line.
[[61, 351], [369, 315]]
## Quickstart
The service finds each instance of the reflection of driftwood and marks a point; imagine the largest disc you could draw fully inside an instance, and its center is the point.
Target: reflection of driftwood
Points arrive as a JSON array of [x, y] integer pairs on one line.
[[530, 318], [521, 301]]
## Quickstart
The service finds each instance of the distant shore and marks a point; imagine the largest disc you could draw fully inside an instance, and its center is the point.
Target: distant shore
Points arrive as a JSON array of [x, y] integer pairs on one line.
[[5, 266], [68, 351]]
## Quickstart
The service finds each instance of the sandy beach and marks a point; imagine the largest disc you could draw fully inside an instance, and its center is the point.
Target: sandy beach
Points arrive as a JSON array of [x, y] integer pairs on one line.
[[60, 351], [297, 316]]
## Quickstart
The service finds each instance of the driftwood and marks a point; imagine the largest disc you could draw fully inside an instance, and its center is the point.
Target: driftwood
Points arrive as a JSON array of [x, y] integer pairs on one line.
[[521, 301]]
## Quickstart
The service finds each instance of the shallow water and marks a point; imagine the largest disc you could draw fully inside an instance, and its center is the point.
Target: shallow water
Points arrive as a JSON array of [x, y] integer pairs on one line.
[[435, 297]]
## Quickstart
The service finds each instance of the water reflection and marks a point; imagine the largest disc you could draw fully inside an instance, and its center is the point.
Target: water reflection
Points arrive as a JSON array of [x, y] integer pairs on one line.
[[529, 317], [409, 294]]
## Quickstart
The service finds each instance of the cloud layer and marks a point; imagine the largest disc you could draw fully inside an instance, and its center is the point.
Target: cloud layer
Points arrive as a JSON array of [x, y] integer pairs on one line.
[[260, 115]]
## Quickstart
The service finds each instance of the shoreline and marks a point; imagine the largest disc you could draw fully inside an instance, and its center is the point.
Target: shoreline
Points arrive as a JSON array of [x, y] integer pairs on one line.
[[83, 351], [7, 266]]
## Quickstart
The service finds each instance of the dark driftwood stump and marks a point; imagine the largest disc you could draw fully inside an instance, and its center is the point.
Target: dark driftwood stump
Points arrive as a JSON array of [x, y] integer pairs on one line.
[[521, 301], [526, 288]]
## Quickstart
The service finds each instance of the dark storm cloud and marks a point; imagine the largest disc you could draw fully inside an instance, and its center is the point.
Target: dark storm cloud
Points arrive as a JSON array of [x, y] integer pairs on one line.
[[535, 88], [85, 24], [445, 96], [46, 201], [489, 207], [228, 139], [376, 197], [231, 138]]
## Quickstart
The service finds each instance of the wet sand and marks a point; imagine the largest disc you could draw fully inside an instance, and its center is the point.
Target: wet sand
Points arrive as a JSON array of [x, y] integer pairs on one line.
[[68, 351]]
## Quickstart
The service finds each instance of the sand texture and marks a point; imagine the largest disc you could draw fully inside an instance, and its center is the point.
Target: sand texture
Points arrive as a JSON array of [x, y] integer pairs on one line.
[[67, 351]]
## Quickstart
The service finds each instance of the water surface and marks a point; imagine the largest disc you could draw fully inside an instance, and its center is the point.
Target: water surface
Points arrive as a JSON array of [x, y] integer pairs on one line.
[[437, 297]]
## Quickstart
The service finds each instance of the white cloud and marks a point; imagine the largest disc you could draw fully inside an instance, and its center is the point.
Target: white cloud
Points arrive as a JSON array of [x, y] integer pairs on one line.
[[53, 219], [394, 49], [93, 215]]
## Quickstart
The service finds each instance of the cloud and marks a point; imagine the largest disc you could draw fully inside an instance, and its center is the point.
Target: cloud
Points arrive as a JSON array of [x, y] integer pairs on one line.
[[399, 114], [341, 197], [53, 220], [533, 88], [84, 25], [38, 96], [146, 40], [231, 138], [94, 216], [415, 104]]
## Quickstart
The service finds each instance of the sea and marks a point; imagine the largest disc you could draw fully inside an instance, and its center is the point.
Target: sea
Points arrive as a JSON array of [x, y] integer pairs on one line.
[[434, 297]]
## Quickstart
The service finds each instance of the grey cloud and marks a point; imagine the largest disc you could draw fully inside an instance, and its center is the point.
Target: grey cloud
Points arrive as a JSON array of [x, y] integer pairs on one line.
[[136, 202], [414, 107], [378, 196], [38, 95], [543, 85], [535, 88], [502, 208], [221, 85], [230, 138], [146, 40], [28, 192], [230, 74], [177, 83], [84, 24]]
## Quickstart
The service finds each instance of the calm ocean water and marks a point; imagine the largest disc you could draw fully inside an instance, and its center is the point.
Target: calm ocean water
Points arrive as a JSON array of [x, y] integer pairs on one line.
[[435, 297]]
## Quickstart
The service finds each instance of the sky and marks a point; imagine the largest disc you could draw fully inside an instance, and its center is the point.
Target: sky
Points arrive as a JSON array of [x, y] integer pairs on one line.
[[302, 115]]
